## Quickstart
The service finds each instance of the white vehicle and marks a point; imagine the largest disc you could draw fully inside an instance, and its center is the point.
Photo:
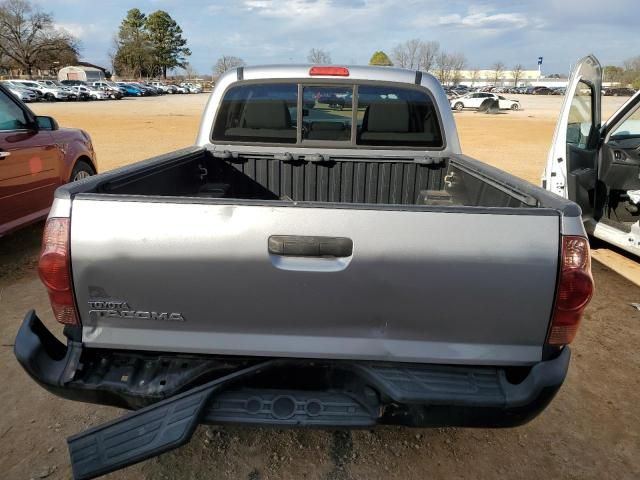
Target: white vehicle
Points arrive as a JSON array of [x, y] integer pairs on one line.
[[475, 99], [23, 94], [192, 87], [161, 86], [597, 164], [49, 92], [93, 92], [182, 89], [112, 88]]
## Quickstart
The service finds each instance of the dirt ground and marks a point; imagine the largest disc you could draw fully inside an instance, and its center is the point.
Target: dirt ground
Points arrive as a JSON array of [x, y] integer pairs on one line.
[[591, 430]]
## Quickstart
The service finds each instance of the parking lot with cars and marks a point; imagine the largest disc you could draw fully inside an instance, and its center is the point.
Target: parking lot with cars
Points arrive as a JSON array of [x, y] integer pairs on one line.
[[589, 431], [48, 90]]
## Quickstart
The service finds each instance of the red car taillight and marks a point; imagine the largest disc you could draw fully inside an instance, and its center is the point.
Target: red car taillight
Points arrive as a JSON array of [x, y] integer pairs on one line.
[[575, 288], [55, 270]]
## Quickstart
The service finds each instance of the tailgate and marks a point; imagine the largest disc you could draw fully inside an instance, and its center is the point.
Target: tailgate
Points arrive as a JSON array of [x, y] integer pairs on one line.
[[459, 286]]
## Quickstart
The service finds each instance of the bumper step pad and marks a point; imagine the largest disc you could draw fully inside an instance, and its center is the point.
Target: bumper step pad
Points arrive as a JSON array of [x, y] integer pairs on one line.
[[292, 408], [147, 432]]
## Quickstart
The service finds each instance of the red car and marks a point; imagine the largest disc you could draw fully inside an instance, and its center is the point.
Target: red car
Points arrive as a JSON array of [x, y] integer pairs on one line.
[[36, 157]]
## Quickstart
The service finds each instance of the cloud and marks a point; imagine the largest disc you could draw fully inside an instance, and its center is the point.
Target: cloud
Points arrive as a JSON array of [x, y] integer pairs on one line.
[[479, 20], [80, 30], [276, 31]]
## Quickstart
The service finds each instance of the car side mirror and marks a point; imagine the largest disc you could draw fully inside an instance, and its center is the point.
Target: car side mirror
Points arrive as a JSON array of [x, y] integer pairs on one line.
[[47, 123]]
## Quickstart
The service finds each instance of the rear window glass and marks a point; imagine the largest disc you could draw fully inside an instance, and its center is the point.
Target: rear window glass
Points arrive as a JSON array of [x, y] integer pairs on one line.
[[264, 113], [327, 113], [391, 116], [376, 115]]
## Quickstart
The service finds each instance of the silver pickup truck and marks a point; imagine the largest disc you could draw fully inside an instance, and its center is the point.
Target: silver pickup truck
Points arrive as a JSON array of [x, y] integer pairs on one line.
[[324, 256]]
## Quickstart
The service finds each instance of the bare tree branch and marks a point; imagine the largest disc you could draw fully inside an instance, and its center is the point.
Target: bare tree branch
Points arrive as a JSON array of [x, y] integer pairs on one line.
[[318, 57]]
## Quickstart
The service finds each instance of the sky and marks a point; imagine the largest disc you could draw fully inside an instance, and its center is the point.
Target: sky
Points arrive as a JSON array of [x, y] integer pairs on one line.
[[283, 31]]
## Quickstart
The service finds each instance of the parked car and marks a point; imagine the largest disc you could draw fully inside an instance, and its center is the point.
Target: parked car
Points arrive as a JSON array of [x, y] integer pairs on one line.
[[146, 90], [36, 157], [474, 100], [24, 94], [250, 279], [619, 92], [37, 92], [597, 164], [90, 93], [558, 91], [162, 87], [48, 92], [114, 90], [192, 87], [541, 91], [130, 90], [73, 83]]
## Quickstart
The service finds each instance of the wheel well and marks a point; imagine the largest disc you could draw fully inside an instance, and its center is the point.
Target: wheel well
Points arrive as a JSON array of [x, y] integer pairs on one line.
[[84, 159]]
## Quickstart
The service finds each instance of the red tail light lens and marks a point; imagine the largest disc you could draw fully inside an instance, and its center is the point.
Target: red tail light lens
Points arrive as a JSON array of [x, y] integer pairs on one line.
[[55, 270], [329, 71], [575, 288]]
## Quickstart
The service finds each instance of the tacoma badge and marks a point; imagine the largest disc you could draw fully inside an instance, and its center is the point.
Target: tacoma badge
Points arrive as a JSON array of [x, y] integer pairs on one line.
[[118, 309]]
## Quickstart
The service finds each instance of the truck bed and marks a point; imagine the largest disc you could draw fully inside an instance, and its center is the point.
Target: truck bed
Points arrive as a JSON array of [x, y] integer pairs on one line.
[[199, 173]]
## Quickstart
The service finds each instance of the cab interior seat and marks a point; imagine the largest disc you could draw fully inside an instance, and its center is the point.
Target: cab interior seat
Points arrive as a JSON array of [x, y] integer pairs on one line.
[[327, 130], [264, 119]]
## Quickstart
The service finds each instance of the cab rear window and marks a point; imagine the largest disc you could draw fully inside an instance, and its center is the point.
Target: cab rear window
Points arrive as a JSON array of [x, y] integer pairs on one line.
[[346, 114], [263, 113]]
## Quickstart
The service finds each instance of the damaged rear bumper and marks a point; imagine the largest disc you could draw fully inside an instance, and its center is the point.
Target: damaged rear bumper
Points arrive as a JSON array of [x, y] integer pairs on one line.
[[294, 392], [172, 393]]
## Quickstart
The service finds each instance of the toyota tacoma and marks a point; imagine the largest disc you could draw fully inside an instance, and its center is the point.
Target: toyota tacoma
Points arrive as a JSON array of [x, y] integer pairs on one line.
[[307, 265]]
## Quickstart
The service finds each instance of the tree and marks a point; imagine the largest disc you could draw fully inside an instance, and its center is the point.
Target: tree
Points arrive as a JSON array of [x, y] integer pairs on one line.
[[517, 73], [133, 49], [443, 67], [498, 71], [475, 76], [407, 54], [189, 71], [631, 74], [416, 54], [428, 53], [28, 35], [318, 56], [225, 63], [457, 62], [381, 59], [166, 41]]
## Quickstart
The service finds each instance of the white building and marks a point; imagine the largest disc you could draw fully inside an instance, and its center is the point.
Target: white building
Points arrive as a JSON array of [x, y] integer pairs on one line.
[[85, 74], [479, 78]]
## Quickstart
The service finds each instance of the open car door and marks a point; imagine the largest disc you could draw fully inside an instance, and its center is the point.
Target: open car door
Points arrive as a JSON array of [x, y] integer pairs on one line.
[[598, 166], [572, 164], [618, 199]]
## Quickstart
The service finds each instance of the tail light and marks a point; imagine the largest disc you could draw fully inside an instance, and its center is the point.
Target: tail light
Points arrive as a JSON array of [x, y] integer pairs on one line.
[[329, 71], [575, 288], [55, 270]]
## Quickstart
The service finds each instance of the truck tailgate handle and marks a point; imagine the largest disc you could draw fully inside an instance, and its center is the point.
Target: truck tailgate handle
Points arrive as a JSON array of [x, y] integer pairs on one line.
[[306, 246]]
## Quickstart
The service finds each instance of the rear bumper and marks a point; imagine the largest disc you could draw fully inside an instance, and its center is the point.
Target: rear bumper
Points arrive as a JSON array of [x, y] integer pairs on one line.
[[295, 392]]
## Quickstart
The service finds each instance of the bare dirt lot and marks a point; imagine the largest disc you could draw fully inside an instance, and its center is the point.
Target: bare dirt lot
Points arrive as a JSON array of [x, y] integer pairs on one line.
[[591, 430]]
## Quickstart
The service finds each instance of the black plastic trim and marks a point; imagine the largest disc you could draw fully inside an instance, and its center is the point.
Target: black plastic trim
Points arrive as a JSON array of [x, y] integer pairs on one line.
[[540, 212], [417, 395], [47, 360], [543, 197]]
